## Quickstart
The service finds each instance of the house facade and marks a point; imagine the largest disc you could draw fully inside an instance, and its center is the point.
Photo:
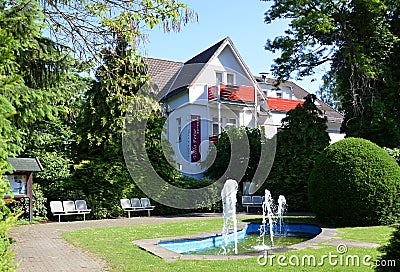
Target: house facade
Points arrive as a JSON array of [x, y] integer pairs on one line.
[[216, 89]]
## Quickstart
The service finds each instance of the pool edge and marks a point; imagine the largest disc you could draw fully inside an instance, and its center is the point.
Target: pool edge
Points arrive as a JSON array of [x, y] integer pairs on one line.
[[151, 245]]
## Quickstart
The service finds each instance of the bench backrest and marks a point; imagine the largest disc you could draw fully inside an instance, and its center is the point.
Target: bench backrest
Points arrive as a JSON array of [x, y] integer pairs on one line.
[[145, 202], [56, 206], [135, 203], [125, 203], [246, 200], [81, 205], [69, 206], [257, 200]]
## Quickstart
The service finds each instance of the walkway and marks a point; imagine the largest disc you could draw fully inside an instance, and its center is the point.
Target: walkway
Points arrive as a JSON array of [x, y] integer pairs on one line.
[[41, 248]]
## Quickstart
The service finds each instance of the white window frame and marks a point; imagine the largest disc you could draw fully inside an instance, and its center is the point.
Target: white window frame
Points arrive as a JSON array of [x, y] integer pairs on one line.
[[233, 78], [215, 123], [231, 122], [216, 77]]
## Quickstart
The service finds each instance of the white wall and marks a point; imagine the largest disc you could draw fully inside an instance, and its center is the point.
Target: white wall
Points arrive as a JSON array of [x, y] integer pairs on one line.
[[182, 148], [178, 100], [198, 94], [271, 91]]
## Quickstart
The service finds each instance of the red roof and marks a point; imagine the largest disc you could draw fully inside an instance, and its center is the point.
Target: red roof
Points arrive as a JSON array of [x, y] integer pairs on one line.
[[282, 104], [232, 93]]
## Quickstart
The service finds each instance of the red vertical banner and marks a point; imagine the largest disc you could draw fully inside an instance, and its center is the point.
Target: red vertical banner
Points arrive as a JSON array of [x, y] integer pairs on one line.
[[195, 138]]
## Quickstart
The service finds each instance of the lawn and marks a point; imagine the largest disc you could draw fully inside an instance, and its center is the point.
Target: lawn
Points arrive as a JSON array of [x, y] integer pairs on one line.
[[115, 246]]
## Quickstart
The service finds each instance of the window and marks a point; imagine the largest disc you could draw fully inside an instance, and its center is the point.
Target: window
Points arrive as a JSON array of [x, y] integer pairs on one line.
[[230, 79], [219, 76], [215, 126], [279, 94], [231, 121], [179, 128]]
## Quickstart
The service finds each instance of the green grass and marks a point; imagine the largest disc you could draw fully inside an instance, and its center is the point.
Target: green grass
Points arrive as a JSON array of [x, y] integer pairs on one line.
[[115, 246], [376, 234]]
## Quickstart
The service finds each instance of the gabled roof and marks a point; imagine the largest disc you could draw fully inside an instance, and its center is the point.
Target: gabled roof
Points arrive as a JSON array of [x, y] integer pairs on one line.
[[162, 72], [26, 164], [332, 114], [187, 73], [206, 55]]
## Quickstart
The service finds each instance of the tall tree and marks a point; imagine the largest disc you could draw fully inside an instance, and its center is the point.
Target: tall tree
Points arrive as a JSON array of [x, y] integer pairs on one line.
[[17, 30], [302, 137], [89, 27], [224, 155], [359, 38]]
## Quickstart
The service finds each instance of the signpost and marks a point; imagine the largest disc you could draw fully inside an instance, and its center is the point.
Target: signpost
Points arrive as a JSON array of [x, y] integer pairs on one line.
[[22, 178]]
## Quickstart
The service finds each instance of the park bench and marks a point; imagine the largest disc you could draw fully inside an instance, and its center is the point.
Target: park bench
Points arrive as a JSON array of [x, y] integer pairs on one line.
[[252, 201], [69, 207], [136, 204]]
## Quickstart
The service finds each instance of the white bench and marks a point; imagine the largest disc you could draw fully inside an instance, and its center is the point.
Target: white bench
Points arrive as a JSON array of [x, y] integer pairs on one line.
[[252, 201], [136, 204], [69, 207]]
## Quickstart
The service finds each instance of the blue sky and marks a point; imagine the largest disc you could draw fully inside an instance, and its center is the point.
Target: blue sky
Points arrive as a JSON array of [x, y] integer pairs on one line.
[[242, 21]]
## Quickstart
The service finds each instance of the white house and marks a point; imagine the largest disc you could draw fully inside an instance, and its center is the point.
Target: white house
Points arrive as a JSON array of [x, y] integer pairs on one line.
[[215, 89], [286, 97]]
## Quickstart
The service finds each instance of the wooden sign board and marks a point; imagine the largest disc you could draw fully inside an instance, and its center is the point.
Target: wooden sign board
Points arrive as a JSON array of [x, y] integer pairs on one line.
[[22, 178]]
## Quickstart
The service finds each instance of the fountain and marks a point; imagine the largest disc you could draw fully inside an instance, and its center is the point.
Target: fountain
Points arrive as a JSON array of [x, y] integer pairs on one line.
[[249, 237], [281, 211], [273, 214], [228, 195], [247, 240]]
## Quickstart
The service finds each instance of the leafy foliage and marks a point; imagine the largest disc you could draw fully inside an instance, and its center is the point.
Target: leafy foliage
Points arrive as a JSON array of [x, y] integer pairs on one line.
[[223, 149], [157, 148], [13, 39], [302, 138], [355, 182], [391, 252], [102, 184], [89, 27], [38, 205], [359, 39], [6, 221], [192, 183], [395, 153]]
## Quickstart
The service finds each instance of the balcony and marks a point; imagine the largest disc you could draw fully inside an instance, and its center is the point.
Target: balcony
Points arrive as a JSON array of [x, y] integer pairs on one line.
[[232, 93], [213, 139], [281, 104]]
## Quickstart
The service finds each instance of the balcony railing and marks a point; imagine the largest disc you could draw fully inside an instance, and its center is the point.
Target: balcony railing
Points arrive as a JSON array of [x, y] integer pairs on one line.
[[283, 104], [232, 93], [213, 139]]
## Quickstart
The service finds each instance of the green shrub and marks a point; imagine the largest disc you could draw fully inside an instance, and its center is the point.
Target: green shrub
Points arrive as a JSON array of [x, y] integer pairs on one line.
[[301, 139], [6, 221], [102, 184], [355, 182], [391, 253], [38, 205], [395, 153]]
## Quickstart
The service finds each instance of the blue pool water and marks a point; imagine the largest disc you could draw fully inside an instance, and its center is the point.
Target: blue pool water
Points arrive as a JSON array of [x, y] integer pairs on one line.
[[248, 239]]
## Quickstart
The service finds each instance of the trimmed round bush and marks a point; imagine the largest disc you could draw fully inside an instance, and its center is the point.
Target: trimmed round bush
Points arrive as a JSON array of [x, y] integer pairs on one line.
[[354, 182]]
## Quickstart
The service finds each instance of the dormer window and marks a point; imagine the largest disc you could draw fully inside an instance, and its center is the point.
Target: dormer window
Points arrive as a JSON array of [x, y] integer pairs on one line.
[[230, 79], [219, 77]]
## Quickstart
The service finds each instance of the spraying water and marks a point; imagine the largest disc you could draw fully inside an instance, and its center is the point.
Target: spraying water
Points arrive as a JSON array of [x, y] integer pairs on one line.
[[267, 207], [228, 195], [281, 211], [273, 214]]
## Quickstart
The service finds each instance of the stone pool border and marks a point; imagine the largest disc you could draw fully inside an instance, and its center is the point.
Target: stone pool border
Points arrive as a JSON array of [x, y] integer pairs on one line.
[[151, 245]]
